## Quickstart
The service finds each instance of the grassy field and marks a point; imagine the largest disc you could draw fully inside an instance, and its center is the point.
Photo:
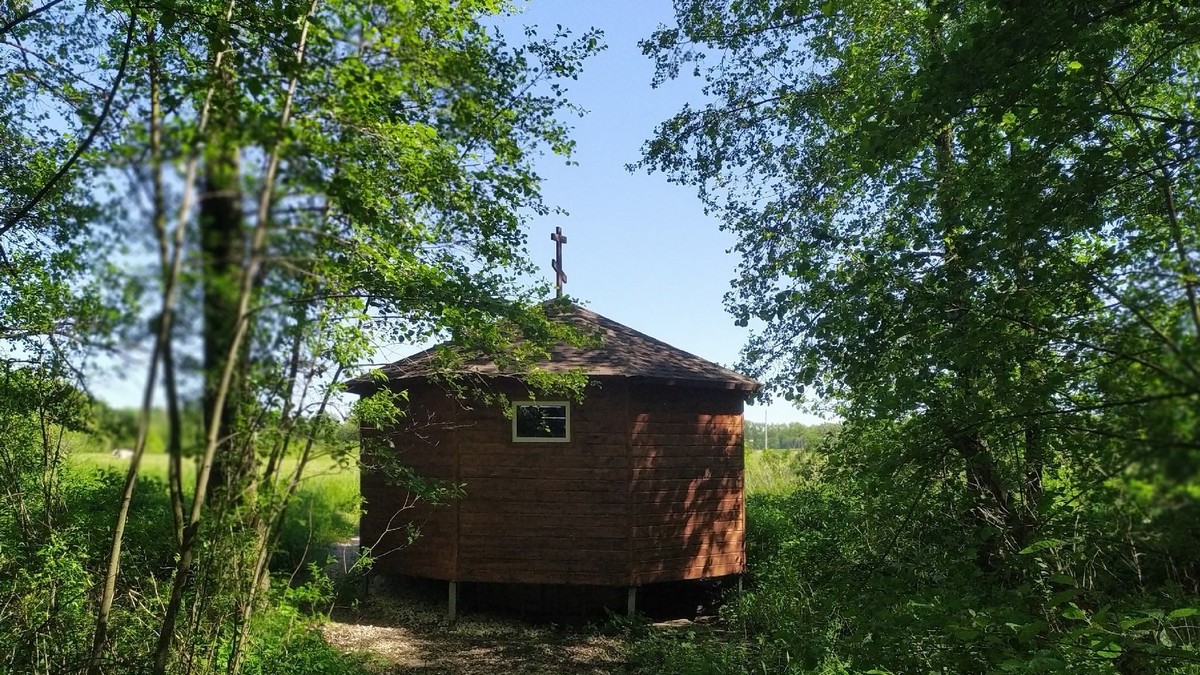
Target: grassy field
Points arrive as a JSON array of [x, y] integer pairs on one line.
[[322, 474], [324, 511], [778, 472]]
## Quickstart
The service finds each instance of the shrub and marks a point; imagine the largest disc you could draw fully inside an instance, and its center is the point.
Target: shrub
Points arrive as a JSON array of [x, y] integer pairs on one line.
[[286, 637], [323, 513], [839, 582]]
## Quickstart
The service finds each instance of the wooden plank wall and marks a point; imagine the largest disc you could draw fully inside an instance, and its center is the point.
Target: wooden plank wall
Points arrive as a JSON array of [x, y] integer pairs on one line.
[[547, 513], [544, 513], [649, 488], [686, 483], [425, 441]]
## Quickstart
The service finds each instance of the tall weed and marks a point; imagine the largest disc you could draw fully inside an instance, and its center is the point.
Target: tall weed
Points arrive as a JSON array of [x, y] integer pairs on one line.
[[845, 579], [778, 472]]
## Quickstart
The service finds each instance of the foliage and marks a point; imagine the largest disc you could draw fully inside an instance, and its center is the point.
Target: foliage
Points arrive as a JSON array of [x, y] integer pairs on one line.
[[46, 584], [325, 512], [53, 525], [833, 587], [288, 639], [316, 178], [968, 228], [114, 428], [689, 653], [780, 471], [790, 436]]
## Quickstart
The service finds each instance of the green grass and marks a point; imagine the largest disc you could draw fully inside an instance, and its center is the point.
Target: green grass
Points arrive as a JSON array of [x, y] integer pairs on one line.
[[322, 474], [324, 510], [779, 472]]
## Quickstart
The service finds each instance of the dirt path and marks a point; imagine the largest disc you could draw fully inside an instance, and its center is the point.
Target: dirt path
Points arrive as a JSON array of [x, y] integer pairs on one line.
[[401, 631]]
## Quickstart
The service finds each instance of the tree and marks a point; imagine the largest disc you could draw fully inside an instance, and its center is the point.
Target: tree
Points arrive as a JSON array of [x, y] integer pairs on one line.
[[390, 172], [790, 436], [962, 224], [316, 178]]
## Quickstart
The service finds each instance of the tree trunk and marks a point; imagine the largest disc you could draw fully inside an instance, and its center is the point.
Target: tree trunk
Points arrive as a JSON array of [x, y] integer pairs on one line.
[[992, 509], [224, 383], [223, 247]]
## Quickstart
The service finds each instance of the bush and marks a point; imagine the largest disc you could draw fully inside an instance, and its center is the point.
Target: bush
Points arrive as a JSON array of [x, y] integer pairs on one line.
[[323, 513], [841, 583], [92, 496], [45, 618], [287, 639]]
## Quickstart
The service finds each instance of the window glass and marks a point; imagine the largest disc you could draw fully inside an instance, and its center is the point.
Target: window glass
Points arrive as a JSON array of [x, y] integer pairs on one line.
[[541, 422]]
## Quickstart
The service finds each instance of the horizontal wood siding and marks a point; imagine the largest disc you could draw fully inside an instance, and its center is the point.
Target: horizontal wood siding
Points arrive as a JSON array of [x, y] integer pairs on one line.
[[649, 488], [687, 483], [424, 442], [532, 512], [548, 512]]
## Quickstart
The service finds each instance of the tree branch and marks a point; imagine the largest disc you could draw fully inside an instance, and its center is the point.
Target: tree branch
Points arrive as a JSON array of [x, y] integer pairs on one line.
[[83, 147], [26, 16]]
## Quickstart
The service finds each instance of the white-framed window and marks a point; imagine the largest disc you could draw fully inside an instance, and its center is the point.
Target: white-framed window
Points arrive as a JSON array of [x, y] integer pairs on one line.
[[541, 422]]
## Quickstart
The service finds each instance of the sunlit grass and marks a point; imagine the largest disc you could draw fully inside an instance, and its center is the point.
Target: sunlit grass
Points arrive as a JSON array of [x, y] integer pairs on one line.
[[324, 510], [779, 472], [321, 473]]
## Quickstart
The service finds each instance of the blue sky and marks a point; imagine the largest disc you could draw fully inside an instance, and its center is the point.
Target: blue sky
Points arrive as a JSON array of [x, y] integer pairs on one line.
[[641, 251]]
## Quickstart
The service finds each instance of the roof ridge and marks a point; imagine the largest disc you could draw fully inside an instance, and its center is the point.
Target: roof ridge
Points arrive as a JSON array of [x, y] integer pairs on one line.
[[651, 338], [632, 354]]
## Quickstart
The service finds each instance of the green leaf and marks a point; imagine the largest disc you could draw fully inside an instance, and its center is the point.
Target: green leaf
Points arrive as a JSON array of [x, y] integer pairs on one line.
[[1165, 639], [1074, 612], [1062, 597], [1110, 651], [1134, 622], [1041, 546]]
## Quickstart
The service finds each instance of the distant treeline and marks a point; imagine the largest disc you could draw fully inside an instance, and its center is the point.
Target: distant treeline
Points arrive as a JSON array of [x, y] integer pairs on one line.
[[791, 436], [111, 428]]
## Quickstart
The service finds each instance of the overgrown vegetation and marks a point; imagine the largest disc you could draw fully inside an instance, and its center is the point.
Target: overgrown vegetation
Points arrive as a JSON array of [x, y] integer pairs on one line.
[[251, 197], [791, 436], [325, 510], [61, 526], [848, 578], [779, 472], [969, 229]]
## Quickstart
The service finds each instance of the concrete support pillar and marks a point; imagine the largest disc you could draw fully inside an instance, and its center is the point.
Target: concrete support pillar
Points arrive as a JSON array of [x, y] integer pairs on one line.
[[631, 601], [452, 601]]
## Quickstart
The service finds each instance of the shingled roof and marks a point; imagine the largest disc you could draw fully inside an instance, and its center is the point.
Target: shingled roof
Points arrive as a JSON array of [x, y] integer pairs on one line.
[[623, 352]]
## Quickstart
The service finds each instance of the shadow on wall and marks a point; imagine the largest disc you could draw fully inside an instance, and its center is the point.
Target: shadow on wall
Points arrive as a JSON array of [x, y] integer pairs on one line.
[[687, 495], [648, 489]]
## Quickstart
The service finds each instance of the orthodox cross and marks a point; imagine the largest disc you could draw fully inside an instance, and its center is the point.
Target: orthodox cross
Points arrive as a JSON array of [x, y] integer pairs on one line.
[[560, 277]]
